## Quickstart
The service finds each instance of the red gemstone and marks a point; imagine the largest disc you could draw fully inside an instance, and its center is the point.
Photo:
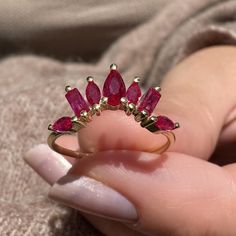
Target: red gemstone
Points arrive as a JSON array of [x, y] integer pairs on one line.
[[76, 101], [62, 124], [133, 92], [93, 93], [114, 88], [164, 123], [149, 100]]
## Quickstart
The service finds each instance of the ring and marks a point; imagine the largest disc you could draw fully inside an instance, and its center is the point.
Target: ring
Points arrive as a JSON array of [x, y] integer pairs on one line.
[[115, 97]]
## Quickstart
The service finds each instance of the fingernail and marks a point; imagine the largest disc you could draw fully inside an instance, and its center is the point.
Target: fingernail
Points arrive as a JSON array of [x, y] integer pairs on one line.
[[91, 196], [50, 165]]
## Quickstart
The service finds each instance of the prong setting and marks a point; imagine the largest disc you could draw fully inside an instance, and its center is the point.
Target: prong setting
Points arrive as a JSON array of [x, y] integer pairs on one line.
[[158, 89], [89, 79], [68, 88], [141, 116], [116, 97], [96, 109], [84, 116], [177, 125], [137, 79], [50, 127], [74, 119], [123, 103], [148, 122], [113, 66]]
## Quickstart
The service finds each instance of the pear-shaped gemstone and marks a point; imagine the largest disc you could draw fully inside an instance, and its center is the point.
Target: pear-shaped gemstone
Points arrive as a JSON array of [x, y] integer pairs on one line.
[[114, 88]]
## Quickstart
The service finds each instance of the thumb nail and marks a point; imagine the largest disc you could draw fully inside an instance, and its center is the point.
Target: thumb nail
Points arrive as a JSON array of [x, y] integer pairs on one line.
[[91, 196]]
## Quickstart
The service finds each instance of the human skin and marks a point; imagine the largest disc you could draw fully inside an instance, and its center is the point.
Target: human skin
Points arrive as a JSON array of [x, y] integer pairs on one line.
[[179, 192]]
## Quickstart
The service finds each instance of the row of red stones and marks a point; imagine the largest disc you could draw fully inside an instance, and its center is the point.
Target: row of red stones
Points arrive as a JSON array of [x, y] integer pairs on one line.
[[114, 89]]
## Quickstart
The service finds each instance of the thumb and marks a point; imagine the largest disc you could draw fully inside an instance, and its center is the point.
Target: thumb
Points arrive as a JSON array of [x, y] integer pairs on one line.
[[152, 193], [192, 95]]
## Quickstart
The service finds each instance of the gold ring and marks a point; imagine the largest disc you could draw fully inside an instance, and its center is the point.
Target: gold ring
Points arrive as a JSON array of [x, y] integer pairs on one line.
[[115, 96]]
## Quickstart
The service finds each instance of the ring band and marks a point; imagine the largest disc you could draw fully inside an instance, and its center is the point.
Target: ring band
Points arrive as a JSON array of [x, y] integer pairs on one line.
[[170, 139], [115, 97]]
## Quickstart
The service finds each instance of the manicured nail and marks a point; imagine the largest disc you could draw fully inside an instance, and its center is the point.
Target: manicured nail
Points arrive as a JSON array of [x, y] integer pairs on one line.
[[50, 165], [91, 196]]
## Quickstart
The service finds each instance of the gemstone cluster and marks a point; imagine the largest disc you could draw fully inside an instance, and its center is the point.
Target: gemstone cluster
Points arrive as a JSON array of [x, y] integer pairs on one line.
[[113, 96]]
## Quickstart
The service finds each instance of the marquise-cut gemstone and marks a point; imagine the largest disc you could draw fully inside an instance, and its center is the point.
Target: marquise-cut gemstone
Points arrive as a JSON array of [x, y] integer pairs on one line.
[[62, 124], [114, 88], [149, 101], [76, 101], [164, 123], [133, 92], [93, 93]]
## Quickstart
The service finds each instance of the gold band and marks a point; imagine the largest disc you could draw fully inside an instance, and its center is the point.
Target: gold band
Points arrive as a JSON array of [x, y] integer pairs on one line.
[[170, 138]]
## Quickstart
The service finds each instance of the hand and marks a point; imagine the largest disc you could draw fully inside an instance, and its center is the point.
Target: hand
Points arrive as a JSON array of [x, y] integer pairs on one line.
[[177, 193]]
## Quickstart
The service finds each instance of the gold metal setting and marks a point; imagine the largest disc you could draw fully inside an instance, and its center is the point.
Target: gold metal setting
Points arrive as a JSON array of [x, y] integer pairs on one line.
[[113, 66], [68, 88], [141, 117]]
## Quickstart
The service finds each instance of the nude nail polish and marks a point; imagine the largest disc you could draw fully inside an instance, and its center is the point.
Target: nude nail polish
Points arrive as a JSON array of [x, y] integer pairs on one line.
[[50, 165], [88, 195]]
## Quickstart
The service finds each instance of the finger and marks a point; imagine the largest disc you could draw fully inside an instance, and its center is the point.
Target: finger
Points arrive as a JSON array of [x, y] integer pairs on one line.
[[110, 227], [52, 166], [192, 94], [49, 165], [231, 169], [175, 194]]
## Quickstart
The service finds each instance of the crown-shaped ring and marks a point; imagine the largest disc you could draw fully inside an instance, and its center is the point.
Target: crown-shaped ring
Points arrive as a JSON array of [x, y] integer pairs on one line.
[[114, 96]]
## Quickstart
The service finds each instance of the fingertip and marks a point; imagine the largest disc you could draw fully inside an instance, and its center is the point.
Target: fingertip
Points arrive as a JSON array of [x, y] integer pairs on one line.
[[31, 154], [48, 164]]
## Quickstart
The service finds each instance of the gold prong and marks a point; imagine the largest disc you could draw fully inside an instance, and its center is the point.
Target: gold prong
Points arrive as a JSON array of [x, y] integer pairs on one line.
[[103, 103], [158, 89], [89, 79], [124, 100], [113, 66], [84, 116], [103, 100], [137, 79], [96, 109], [74, 119], [50, 127], [149, 121], [143, 115], [130, 109], [68, 88], [123, 103], [177, 125]]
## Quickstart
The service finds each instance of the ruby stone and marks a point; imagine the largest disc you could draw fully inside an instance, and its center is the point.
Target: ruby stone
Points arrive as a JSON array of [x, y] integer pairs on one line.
[[62, 124], [164, 123], [76, 101], [114, 88], [149, 101], [133, 93], [93, 93]]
